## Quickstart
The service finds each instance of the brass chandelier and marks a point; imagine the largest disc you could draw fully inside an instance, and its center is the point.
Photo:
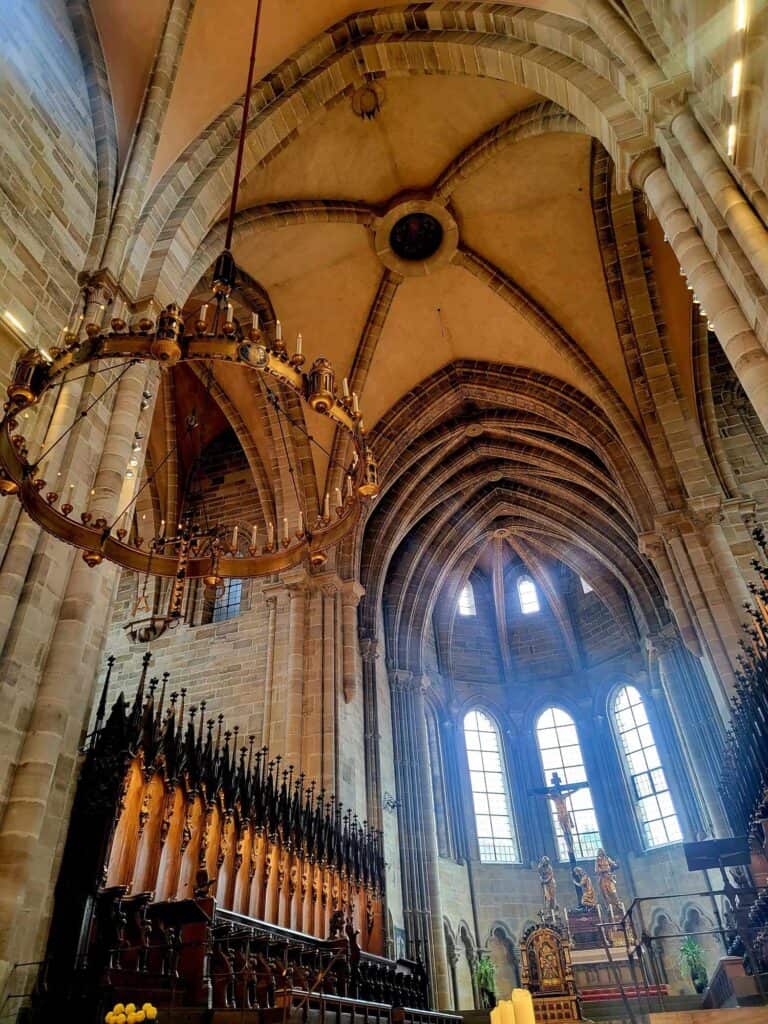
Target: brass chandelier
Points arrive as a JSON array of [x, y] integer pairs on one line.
[[212, 334]]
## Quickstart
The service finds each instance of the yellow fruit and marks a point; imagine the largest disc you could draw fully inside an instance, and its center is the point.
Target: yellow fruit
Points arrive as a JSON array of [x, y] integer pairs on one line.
[[130, 1007], [139, 1016], [118, 1008], [151, 1013]]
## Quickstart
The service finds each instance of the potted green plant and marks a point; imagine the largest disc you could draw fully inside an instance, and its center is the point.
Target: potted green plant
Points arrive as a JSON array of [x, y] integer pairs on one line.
[[692, 963], [485, 979]]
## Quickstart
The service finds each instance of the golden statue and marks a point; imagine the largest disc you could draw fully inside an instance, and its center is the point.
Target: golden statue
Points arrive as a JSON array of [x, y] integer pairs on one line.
[[548, 883], [587, 895], [605, 870]]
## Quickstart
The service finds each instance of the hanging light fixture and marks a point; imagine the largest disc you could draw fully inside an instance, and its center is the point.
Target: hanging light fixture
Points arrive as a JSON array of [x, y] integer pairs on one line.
[[212, 334]]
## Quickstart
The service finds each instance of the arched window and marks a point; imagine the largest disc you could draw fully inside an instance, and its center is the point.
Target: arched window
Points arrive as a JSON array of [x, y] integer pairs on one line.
[[528, 595], [467, 600], [493, 813], [561, 752], [647, 780]]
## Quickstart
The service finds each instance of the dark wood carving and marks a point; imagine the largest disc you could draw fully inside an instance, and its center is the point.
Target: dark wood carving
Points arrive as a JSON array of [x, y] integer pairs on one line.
[[200, 871]]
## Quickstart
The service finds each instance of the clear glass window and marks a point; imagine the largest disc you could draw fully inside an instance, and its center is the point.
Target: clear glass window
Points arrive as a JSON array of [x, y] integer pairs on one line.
[[561, 752], [467, 600], [227, 603], [493, 813], [528, 595], [648, 783], [586, 588]]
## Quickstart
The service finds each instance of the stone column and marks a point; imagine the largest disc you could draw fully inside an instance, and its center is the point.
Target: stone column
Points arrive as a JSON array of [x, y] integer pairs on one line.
[[745, 353], [269, 677], [707, 602], [695, 725], [296, 591], [743, 223], [373, 794], [418, 835], [41, 790], [351, 593]]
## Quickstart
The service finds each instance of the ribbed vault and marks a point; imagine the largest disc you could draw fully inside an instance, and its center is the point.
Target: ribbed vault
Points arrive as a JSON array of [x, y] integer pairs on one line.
[[478, 451]]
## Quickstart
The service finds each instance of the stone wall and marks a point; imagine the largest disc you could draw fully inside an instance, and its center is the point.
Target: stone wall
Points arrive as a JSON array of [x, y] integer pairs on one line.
[[47, 166]]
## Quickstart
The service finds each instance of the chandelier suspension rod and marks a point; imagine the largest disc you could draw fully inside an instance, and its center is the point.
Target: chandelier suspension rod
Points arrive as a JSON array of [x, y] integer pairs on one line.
[[83, 414], [148, 481], [243, 129], [302, 429]]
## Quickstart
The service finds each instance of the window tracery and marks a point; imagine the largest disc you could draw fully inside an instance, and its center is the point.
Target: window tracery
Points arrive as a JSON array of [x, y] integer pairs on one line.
[[647, 780], [496, 837], [560, 752]]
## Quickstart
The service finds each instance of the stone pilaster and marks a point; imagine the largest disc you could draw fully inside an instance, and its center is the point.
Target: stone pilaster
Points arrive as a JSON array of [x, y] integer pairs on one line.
[[678, 681], [373, 795], [418, 835]]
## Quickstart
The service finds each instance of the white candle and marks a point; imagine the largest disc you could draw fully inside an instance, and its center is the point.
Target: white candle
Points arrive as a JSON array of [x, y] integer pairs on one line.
[[349, 486], [204, 312], [298, 344], [285, 529], [338, 497], [162, 527], [326, 506], [345, 387], [270, 534], [255, 321], [253, 537], [355, 404], [301, 521], [234, 538], [230, 313], [278, 331]]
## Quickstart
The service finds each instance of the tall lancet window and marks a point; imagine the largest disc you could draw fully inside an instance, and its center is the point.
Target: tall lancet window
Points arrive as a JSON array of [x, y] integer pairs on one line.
[[467, 600], [490, 795], [561, 752], [647, 781], [528, 596]]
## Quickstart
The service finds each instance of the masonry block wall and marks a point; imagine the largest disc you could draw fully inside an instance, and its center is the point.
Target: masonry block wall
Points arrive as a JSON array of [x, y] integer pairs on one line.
[[244, 666], [47, 165]]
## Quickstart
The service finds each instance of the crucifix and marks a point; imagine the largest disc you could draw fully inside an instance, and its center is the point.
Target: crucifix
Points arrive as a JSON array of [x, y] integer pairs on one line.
[[558, 793]]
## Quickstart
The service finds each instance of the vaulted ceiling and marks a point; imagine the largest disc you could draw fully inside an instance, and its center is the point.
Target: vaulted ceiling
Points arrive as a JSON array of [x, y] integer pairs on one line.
[[502, 350]]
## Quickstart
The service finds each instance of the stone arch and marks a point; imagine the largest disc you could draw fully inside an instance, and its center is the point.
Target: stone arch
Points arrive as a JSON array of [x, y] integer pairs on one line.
[[467, 989], [503, 951], [556, 56], [103, 117]]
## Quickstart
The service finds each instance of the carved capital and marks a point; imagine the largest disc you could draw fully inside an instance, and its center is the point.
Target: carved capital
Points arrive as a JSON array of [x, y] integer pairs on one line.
[[351, 593], [668, 99], [706, 510], [369, 648], [663, 640], [644, 164], [651, 545], [401, 679]]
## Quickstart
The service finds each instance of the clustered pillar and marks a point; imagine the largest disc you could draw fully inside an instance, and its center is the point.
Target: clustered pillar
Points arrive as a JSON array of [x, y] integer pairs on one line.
[[418, 838]]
